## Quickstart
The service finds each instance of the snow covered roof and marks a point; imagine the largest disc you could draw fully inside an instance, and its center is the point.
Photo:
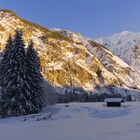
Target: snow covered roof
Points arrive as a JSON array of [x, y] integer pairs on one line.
[[114, 100]]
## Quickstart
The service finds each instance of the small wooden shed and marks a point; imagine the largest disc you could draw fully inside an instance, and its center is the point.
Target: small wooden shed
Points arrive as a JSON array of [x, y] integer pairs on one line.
[[113, 102]]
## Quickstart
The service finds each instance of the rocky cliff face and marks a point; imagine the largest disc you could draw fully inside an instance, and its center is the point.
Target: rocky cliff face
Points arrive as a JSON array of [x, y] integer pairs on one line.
[[68, 58], [113, 66]]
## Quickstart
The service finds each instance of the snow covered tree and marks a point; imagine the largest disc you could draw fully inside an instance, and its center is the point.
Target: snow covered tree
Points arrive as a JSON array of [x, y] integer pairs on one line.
[[5, 62], [16, 98], [33, 72], [33, 64]]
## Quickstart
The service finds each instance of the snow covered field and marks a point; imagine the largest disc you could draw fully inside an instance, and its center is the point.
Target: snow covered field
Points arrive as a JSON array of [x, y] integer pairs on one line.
[[79, 121]]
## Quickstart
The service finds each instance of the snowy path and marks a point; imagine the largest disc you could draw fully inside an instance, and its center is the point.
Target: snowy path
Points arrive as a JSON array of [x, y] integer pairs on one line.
[[79, 121]]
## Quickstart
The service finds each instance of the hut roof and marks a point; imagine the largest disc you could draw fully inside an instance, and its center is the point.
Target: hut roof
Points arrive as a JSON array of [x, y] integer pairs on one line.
[[114, 100]]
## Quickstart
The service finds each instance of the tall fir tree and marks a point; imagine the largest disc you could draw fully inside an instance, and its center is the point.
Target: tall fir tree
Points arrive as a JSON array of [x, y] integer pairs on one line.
[[33, 63], [33, 71], [16, 98], [6, 57]]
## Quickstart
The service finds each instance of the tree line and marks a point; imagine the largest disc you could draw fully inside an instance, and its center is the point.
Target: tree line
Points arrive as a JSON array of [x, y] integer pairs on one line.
[[77, 94]]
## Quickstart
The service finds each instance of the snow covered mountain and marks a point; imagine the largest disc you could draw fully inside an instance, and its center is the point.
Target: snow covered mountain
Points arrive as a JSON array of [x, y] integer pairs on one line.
[[126, 45], [112, 64], [70, 59]]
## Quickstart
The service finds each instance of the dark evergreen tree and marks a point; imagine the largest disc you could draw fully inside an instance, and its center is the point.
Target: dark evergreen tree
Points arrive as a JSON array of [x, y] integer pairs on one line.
[[33, 63], [33, 71], [6, 57], [16, 98]]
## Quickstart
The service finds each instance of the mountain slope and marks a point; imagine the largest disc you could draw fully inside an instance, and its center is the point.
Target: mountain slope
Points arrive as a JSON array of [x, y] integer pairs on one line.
[[126, 45], [125, 74], [68, 58]]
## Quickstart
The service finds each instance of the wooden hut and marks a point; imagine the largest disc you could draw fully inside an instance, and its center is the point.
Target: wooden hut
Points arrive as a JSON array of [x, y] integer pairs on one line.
[[113, 102]]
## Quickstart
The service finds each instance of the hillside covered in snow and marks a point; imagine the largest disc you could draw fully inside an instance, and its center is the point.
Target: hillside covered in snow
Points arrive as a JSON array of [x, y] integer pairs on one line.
[[113, 66], [69, 59], [126, 45]]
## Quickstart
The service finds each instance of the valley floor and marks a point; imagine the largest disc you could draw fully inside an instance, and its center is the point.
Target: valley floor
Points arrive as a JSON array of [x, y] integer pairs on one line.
[[79, 121]]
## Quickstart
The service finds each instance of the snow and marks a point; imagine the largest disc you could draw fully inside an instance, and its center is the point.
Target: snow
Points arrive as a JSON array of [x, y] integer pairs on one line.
[[123, 44], [77, 121], [123, 66], [82, 64], [88, 59], [113, 100], [76, 36], [68, 55], [120, 62], [54, 66]]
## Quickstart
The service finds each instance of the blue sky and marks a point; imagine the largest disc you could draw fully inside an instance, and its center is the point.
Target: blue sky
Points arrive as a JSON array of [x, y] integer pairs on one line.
[[92, 18]]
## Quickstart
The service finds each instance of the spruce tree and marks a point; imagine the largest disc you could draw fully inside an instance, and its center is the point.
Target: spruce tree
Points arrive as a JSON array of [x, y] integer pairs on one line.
[[16, 98], [6, 57], [33, 63], [33, 71]]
